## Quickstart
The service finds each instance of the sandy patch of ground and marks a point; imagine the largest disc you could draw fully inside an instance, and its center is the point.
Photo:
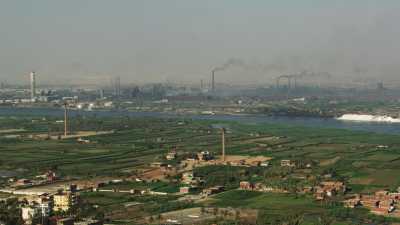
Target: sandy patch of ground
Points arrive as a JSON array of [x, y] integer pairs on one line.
[[86, 134], [329, 162]]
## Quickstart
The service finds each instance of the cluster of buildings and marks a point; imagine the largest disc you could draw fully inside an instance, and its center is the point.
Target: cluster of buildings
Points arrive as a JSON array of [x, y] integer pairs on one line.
[[43, 208], [260, 187], [47, 178], [328, 189], [380, 203]]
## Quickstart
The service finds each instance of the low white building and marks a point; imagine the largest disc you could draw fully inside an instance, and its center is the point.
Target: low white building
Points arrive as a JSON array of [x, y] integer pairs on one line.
[[29, 213]]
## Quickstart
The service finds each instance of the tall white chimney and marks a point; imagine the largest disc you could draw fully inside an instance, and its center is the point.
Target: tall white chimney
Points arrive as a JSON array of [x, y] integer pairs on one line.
[[33, 85]]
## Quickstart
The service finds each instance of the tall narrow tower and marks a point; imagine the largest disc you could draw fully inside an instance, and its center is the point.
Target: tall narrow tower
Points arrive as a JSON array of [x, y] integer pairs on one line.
[[117, 87], [65, 119], [223, 143], [33, 85], [213, 81]]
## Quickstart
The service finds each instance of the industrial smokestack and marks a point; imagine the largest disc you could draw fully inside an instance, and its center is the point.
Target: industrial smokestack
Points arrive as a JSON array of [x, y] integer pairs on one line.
[[223, 143], [213, 81], [65, 120], [117, 86], [33, 85]]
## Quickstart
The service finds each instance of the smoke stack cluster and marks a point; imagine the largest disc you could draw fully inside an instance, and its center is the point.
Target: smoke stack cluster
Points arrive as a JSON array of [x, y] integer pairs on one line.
[[226, 65]]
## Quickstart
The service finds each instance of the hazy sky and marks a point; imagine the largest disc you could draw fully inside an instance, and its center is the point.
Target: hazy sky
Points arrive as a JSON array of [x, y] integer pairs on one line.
[[183, 40]]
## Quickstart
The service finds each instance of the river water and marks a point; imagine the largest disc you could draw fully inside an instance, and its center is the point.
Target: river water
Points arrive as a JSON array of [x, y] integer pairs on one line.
[[391, 128]]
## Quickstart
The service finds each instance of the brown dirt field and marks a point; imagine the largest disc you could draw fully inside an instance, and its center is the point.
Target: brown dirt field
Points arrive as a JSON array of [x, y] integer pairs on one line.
[[155, 173], [329, 161], [364, 181], [252, 140], [86, 134]]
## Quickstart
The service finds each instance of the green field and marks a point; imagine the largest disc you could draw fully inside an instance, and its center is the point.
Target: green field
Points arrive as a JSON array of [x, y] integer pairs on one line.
[[136, 142], [351, 156], [277, 208]]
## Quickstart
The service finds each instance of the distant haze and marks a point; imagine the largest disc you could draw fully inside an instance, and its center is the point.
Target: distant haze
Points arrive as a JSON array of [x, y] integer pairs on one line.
[[90, 41]]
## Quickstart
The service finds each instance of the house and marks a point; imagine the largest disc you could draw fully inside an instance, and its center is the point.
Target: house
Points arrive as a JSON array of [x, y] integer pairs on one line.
[[187, 189], [381, 202], [287, 163], [307, 189], [189, 178], [44, 205], [213, 190], [36, 206], [28, 213], [51, 176], [63, 201], [329, 189], [336, 186], [319, 193], [352, 202], [171, 155], [204, 156], [245, 185], [22, 182], [83, 141]]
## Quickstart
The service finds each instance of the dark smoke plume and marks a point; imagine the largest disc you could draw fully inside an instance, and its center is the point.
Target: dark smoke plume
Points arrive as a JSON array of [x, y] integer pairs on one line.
[[229, 63]]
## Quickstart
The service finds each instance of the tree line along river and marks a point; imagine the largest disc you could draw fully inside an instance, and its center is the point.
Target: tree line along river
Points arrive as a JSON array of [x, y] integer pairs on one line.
[[391, 128]]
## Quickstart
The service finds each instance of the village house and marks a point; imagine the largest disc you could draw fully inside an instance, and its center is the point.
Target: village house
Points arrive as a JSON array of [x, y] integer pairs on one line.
[[167, 168], [51, 176], [287, 163], [352, 201], [39, 207], [189, 178], [83, 141], [171, 155], [28, 213], [307, 189], [329, 189], [213, 190], [187, 189], [381, 203], [245, 185], [204, 156], [22, 183]]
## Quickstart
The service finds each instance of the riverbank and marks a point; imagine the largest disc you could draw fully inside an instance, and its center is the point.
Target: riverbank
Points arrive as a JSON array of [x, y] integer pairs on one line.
[[391, 128]]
